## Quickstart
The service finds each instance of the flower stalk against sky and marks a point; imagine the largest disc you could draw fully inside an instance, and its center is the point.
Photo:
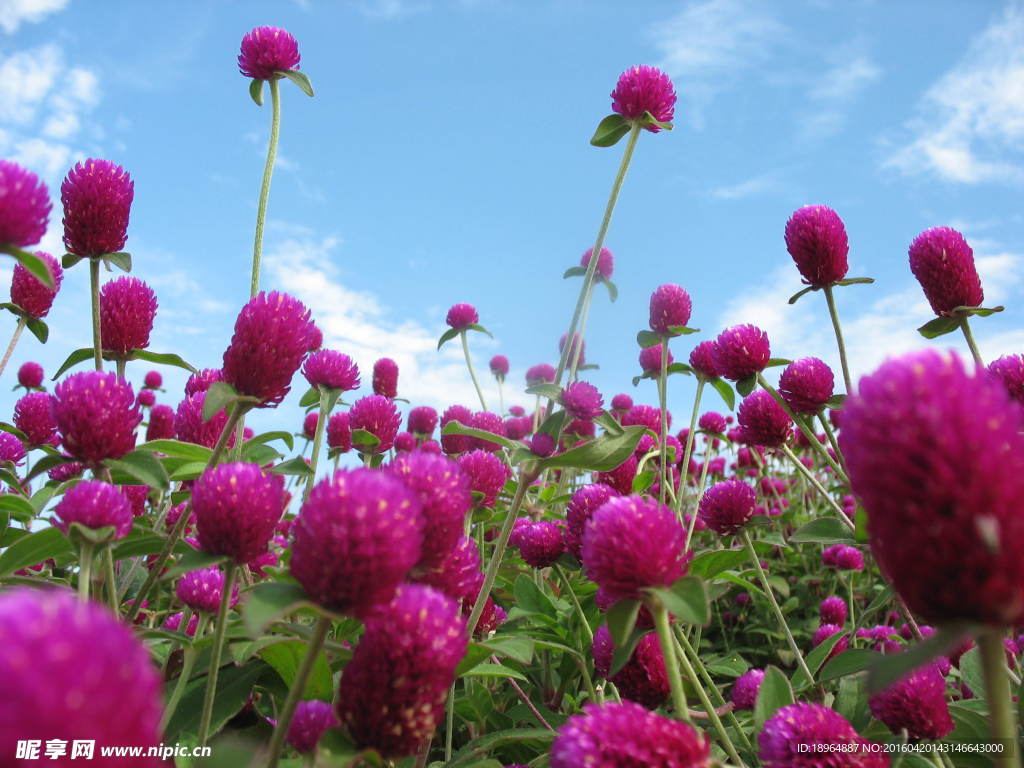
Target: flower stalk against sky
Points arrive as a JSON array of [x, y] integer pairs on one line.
[[462, 318]]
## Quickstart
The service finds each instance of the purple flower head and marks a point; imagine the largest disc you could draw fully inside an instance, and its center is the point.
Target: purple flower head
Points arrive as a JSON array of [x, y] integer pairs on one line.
[[849, 559], [801, 735], [405, 442], [310, 721], [620, 479], [461, 316], [237, 507], [422, 421], [127, 309], [712, 421], [499, 367], [542, 445], [643, 415], [605, 263], [763, 421], [579, 428], [488, 422], [355, 539], [816, 239], [331, 370], [746, 688], [453, 444], [272, 335], [309, 424], [742, 351], [917, 703], [645, 89], [202, 590], [1009, 369], [487, 475], [582, 401], [643, 678], [66, 471], [96, 416], [540, 543], [203, 380], [385, 377], [806, 385], [173, 623], [542, 373], [458, 575], [622, 403], [30, 375], [377, 415], [650, 359], [704, 360], [518, 427], [29, 293], [833, 611], [161, 423], [824, 632], [97, 197], [146, 398], [190, 426], [943, 264], [727, 506], [153, 379], [577, 342], [24, 206], [670, 306], [95, 505], [33, 415], [339, 432], [267, 51]]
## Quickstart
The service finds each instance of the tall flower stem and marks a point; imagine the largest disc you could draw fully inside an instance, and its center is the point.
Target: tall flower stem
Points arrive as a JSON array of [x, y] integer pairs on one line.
[[108, 575], [997, 687], [472, 373], [85, 569], [709, 454], [284, 717], [94, 287], [449, 724], [318, 437], [709, 708], [577, 349], [965, 326], [662, 405], [14, 342], [188, 662], [230, 571], [576, 603], [668, 650], [818, 486], [268, 172], [763, 578], [501, 395], [688, 450], [830, 299]]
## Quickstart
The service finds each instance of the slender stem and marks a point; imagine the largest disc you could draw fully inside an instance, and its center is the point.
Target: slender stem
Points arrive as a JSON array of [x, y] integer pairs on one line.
[[97, 341], [688, 451], [997, 687], [119, 366], [318, 437], [472, 373], [662, 397], [84, 569], [268, 172], [14, 342], [230, 569], [236, 412], [763, 578], [449, 724], [818, 486], [284, 718], [965, 326], [154, 572], [823, 420], [108, 575], [188, 662], [501, 395], [526, 699], [668, 650], [709, 708], [709, 454], [830, 299], [849, 586], [576, 603], [577, 349], [536, 413]]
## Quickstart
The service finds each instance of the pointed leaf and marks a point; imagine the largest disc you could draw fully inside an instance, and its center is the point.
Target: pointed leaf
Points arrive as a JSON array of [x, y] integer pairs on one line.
[[144, 467], [76, 357], [682, 330], [45, 464], [940, 326], [121, 260], [39, 329], [774, 694], [621, 619], [687, 600], [458, 428], [722, 388], [256, 91], [34, 264], [479, 328], [20, 508], [301, 79], [746, 386], [823, 530], [294, 466], [610, 130], [268, 437], [649, 119], [574, 272], [850, 662], [613, 291], [178, 449], [34, 548], [979, 311], [796, 296], [836, 402], [162, 358], [286, 657], [601, 455], [648, 338], [855, 281], [679, 368], [777, 361], [547, 389], [68, 260], [892, 667], [363, 439], [608, 423], [447, 336], [310, 398], [218, 397], [269, 601]]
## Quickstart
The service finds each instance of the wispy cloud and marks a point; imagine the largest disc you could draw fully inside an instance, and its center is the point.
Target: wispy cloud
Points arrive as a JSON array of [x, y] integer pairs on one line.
[[752, 187], [850, 72], [389, 10], [14, 13]]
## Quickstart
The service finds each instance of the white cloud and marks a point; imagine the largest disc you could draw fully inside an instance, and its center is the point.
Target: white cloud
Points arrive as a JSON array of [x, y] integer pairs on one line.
[[835, 89], [751, 187], [26, 79], [15, 12]]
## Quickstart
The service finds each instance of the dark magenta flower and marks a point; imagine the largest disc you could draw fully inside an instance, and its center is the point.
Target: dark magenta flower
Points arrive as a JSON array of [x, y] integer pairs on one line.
[[742, 351], [339, 432], [943, 264], [518, 427], [30, 375], [488, 422], [173, 623], [146, 398], [727, 506], [643, 678], [917, 704], [33, 415], [153, 380], [309, 424], [813, 736], [605, 263], [650, 359], [97, 197], [405, 442], [670, 306], [763, 421], [832, 611], [453, 444], [644, 415], [499, 367], [310, 721], [620, 479], [816, 239], [824, 632], [331, 370], [95, 505], [24, 206], [540, 374], [161, 423], [458, 575], [849, 559], [806, 385], [704, 360], [385, 377], [542, 445], [11, 448], [540, 543], [487, 475], [1009, 369], [622, 403], [645, 89], [422, 421], [461, 316], [712, 421], [190, 426], [127, 309], [202, 590], [96, 416], [745, 689], [577, 342], [377, 415], [237, 507], [582, 401], [267, 51], [29, 293], [203, 380]]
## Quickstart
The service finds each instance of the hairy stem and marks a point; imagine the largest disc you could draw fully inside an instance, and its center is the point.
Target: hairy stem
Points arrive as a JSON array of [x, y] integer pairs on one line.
[[318, 437], [268, 172], [472, 372], [662, 398], [997, 687], [230, 570], [965, 326], [830, 299], [14, 342], [94, 288], [668, 650]]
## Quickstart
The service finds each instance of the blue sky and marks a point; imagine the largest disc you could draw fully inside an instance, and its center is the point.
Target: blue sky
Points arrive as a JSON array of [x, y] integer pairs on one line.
[[445, 158]]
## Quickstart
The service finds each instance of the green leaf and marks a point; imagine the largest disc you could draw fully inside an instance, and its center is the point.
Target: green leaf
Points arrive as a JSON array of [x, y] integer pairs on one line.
[[489, 669], [601, 455], [162, 358], [682, 330], [479, 328], [79, 534], [121, 260], [608, 423], [18, 507], [477, 749], [707, 565], [312, 397], [746, 386], [14, 309], [894, 666], [546, 389], [301, 79], [815, 659], [643, 480], [294, 466], [574, 272], [336, 750], [774, 694], [855, 281], [649, 119], [178, 449], [971, 672], [45, 464], [269, 601], [940, 326], [39, 329], [34, 548], [835, 402], [458, 428], [823, 530], [515, 647], [777, 361], [687, 600], [256, 91], [475, 654], [76, 357], [285, 657], [848, 662], [610, 130], [234, 684], [722, 388], [530, 598], [363, 439], [68, 260], [621, 619], [796, 296], [623, 653], [679, 368], [218, 397], [144, 467], [192, 560], [552, 425], [134, 546], [648, 339], [34, 264], [269, 437], [447, 336], [613, 291]]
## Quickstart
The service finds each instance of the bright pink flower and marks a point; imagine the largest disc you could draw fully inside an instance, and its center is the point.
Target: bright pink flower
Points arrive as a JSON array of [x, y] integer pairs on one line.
[[127, 309], [96, 416], [385, 377], [339, 432], [806, 385], [644, 89], [33, 415], [605, 263], [745, 689], [540, 374], [487, 475], [1009, 369], [540, 543], [763, 421], [202, 590], [267, 51], [237, 507], [24, 206], [95, 505], [310, 721], [97, 197], [943, 264], [650, 359], [582, 401], [741, 351], [802, 735], [29, 293], [727, 506], [816, 239], [422, 421], [331, 370], [377, 415], [643, 678], [704, 360], [670, 306], [30, 375], [461, 316]]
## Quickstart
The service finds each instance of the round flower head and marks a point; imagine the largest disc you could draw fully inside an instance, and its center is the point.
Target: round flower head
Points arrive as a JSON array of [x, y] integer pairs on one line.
[[310, 721], [746, 688], [742, 351], [943, 264], [806, 385], [377, 415], [97, 197], [385, 377], [631, 543], [577, 342], [203, 380], [267, 51], [190, 426], [832, 611], [443, 491], [813, 735], [542, 373], [153, 380], [620, 479], [393, 690], [71, 670], [517, 427], [605, 263], [582, 401], [272, 335], [622, 403], [30, 375], [849, 559], [917, 703], [96, 416], [1009, 369], [24, 206], [237, 507], [29, 293], [457, 443], [95, 505], [540, 543], [173, 623], [763, 421], [704, 360], [626, 734], [146, 398], [643, 678], [309, 424], [644, 415], [202, 590], [422, 421], [712, 421], [727, 506], [161, 423], [650, 359], [645, 89], [331, 370], [952, 474], [542, 445], [33, 415], [11, 448], [461, 316], [355, 539], [670, 306], [816, 239], [487, 475], [458, 575], [405, 442], [127, 309], [499, 367], [488, 422], [339, 432], [824, 632]]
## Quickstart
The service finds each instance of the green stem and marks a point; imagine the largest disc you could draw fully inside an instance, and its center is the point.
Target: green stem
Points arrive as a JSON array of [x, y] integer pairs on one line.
[[154, 573], [318, 437], [501, 396], [14, 342], [709, 454], [965, 326], [449, 724], [472, 373], [684, 468], [268, 172], [84, 569], [188, 662], [235, 413], [108, 574], [230, 570], [662, 398], [577, 349], [668, 650], [818, 486], [997, 688], [119, 366], [830, 299], [94, 285], [823, 420], [709, 708], [576, 603], [849, 586]]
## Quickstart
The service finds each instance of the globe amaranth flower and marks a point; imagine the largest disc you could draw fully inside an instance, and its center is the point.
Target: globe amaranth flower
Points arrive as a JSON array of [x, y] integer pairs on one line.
[[405, 442], [127, 309], [456, 443], [461, 316], [644, 415], [616, 735], [385, 377], [24, 206], [29, 293], [33, 415], [309, 424], [310, 721], [813, 736], [952, 475], [95, 505], [331, 370], [339, 432], [542, 445], [96, 416], [917, 704], [742, 351], [202, 590], [943, 264], [620, 479], [161, 423], [650, 359], [622, 403], [30, 375], [1009, 369], [643, 678], [422, 421], [153, 380], [146, 398], [72, 670], [542, 373], [670, 306], [806, 385], [704, 360], [849, 559], [499, 367], [267, 51], [458, 575], [816, 239], [356, 538], [582, 401], [237, 506], [192, 428], [487, 475], [832, 611], [173, 623], [488, 422], [645, 89], [97, 197], [745, 689], [727, 506], [631, 543], [377, 415], [605, 263], [540, 543], [578, 345], [272, 335], [203, 380], [763, 421]]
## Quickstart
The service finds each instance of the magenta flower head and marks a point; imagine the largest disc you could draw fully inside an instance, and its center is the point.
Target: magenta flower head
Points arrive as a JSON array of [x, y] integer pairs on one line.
[[457, 443], [309, 424], [816, 239], [704, 360], [422, 421], [95, 505], [542, 373], [146, 398], [712, 421], [377, 415], [11, 448], [727, 506], [33, 415], [71, 670], [631, 543], [917, 703], [542, 445], [806, 385], [190, 426], [1009, 369], [161, 423], [153, 380], [24, 206], [443, 491], [832, 611], [643, 415], [813, 735], [458, 575], [487, 475], [267, 51], [763, 421], [540, 543], [405, 442], [488, 422], [643, 678], [310, 721], [824, 632], [943, 264], [742, 351], [331, 370], [30, 375], [582, 401], [96, 416], [29, 293], [849, 559], [746, 688], [605, 263], [461, 316], [237, 507], [670, 306], [127, 309], [622, 403], [355, 539], [499, 367], [577, 342], [339, 432], [392, 692], [942, 492], [202, 590], [650, 359], [203, 380], [645, 89], [385, 377], [97, 197], [620, 479], [627, 734], [273, 332]]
